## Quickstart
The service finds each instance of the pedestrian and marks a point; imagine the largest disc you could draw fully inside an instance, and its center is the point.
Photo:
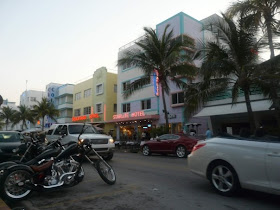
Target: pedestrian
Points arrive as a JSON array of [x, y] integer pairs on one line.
[[208, 134], [143, 135]]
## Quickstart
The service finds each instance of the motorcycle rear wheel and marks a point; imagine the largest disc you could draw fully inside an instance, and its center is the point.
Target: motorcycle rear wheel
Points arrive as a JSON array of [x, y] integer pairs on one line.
[[106, 173], [12, 184]]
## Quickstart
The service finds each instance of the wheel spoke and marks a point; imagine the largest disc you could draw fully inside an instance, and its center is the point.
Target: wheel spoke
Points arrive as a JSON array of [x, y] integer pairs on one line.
[[228, 174], [220, 169], [228, 184]]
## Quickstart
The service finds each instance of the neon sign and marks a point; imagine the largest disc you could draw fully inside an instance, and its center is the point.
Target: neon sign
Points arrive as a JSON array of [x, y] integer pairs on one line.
[[156, 83], [127, 115], [84, 117]]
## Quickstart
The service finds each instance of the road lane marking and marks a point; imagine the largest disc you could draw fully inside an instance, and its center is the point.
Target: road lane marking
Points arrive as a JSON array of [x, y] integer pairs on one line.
[[111, 193]]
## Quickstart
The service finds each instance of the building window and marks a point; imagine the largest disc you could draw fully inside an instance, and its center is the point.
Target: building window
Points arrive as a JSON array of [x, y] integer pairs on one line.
[[62, 100], [99, 108], [87, 93], [99, 89], [87, 110], [115, 107], [126, 66], [125, 85], [146, 104], [115, 88], [32, 98], [126, 107], [178, 98], [78, 96], [77, 112]]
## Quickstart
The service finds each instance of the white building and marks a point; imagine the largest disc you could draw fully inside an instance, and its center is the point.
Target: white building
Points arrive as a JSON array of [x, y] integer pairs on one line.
[[64, 100], [30, 98]]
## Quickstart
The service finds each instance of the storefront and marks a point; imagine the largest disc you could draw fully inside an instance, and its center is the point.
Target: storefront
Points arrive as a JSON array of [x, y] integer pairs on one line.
[[134, 126]]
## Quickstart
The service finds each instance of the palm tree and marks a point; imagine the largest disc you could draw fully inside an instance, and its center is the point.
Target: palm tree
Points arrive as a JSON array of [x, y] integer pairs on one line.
[[163, 54], [228, 63], [44, 108], [23, 115], [7, 114], [259, 13]]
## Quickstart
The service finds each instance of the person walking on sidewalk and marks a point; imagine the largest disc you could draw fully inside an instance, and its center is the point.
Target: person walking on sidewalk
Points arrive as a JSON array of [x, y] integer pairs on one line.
[[208, 134]]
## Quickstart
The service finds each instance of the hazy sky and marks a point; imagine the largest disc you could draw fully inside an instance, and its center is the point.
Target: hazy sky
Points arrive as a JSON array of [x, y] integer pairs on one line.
[[64, 41]]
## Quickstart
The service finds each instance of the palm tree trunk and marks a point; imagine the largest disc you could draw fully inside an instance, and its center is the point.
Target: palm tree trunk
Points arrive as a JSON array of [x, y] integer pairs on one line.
[[43, 123], [270, 41], [250, 111], [165, 110]]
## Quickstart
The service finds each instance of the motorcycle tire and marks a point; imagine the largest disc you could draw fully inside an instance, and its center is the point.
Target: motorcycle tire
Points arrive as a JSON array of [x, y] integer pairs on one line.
[[106, 173], [10, 182]]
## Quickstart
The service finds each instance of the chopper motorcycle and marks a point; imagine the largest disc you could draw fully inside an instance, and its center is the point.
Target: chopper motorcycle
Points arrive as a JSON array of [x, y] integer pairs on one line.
[[64, 170]]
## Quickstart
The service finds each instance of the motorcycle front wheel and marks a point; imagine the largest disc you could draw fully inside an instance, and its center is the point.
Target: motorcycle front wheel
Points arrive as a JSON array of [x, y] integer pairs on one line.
[[106, 172], [12, 185]]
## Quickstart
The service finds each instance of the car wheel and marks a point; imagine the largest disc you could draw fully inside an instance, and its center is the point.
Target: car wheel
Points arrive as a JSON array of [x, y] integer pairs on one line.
[[223, 179], [146, 150], [108, 157], [181, 151]]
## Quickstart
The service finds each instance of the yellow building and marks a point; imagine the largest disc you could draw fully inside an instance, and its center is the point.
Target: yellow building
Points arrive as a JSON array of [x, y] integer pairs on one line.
[[95, 100]]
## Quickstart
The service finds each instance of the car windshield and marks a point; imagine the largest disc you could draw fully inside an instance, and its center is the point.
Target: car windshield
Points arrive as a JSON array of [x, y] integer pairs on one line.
[[76, 129], [9, 137]]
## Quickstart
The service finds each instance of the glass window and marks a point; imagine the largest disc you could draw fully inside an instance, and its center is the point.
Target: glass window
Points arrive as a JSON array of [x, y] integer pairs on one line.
[[146, 104], [98, 108], [87, 93], [99, 89], [50, 132], [115, 88], [32, 98], [178, 98], [87, 110], [125, 85], [126, 107], [78, 96], [58, 130], [115, 107], [77, 112], [10, 137], [76, 129]]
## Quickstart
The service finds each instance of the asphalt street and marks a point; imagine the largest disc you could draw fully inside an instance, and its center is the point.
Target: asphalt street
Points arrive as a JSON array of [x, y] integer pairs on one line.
[[152, 182]]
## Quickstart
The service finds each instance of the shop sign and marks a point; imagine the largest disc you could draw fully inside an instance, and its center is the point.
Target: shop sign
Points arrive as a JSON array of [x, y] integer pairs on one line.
[[171, 116], [128, 115], [84, 117], [156, 82]]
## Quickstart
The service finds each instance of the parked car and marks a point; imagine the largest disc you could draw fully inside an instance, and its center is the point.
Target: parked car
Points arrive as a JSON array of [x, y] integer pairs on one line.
[[179, 144], [103, 144], [9, 140], [231, 163]]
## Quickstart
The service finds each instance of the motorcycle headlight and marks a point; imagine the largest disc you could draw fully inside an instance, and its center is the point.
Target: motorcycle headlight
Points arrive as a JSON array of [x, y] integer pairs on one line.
[[111, 141], [81, 141]]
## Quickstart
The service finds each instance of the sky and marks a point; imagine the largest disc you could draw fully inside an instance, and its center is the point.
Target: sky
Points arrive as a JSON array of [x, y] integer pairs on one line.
[[65, 41]]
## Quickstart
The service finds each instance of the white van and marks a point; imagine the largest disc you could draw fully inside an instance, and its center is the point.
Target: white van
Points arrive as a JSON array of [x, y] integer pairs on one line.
[[103, 144]]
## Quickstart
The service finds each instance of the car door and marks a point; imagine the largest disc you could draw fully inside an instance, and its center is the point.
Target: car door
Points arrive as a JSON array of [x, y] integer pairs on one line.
[[167, 142], [158, 145], [273, 164], [170, 143]]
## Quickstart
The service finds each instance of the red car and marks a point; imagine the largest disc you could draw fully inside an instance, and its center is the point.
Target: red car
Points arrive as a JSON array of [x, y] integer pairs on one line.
[[179, 144]]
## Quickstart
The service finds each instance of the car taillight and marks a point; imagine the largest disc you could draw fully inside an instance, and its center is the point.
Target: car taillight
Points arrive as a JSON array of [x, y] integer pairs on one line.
[[198, 146]]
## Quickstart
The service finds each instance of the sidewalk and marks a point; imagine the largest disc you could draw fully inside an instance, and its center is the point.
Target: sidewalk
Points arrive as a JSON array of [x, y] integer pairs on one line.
[[3, 205]]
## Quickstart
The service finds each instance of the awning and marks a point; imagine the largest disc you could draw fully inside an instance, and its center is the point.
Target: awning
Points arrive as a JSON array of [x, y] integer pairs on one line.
[[257, 106]]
